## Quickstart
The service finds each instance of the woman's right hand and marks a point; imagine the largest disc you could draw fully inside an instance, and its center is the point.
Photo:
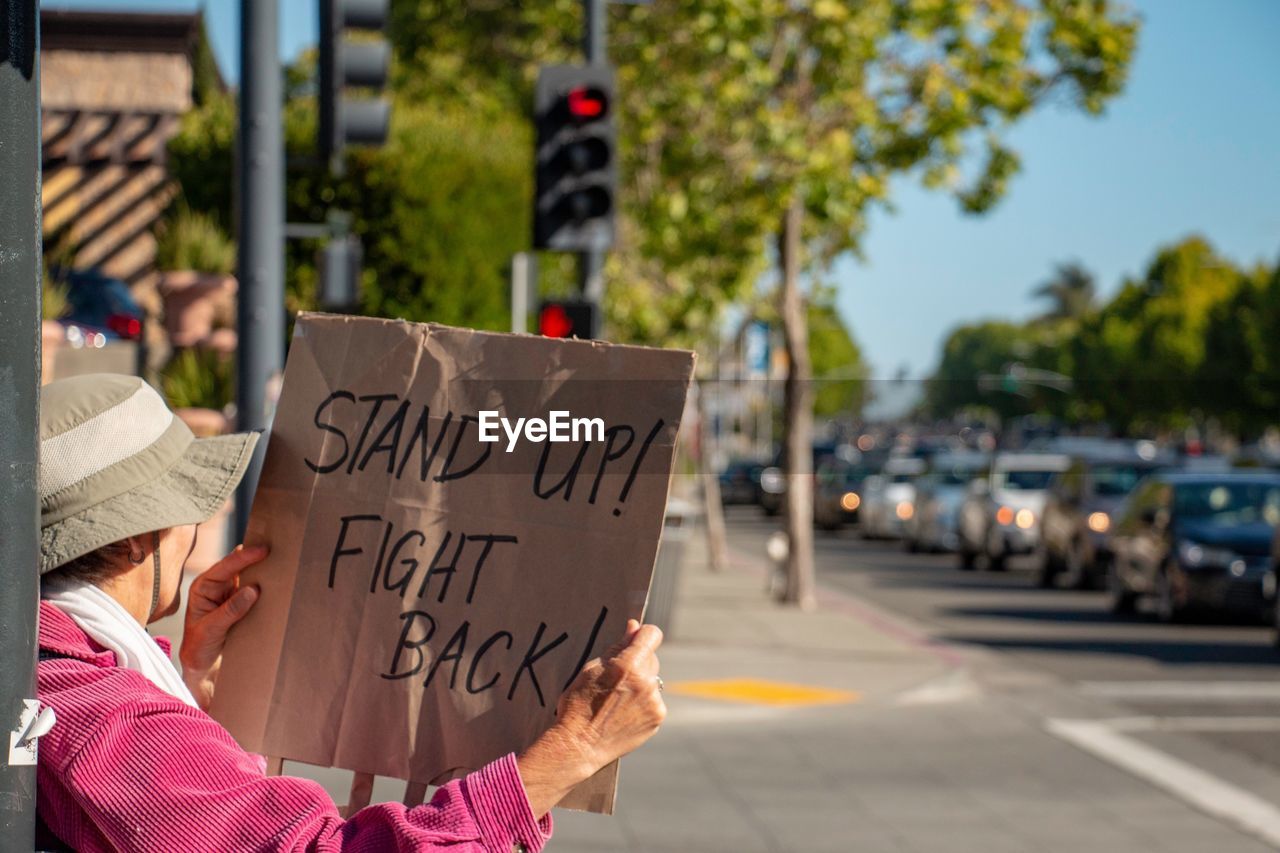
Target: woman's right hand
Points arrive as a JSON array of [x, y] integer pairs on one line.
[[612, 707]]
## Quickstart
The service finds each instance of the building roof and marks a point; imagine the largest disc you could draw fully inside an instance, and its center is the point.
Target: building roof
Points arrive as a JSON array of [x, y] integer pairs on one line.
[[118, 62], [110, 32]]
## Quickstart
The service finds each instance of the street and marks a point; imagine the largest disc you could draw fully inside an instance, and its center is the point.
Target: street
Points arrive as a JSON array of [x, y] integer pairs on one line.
[[1218, 668]]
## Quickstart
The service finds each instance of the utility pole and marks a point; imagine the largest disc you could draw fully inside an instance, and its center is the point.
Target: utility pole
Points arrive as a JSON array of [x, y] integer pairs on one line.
[[260, 312], [20, 272], [591, 262]]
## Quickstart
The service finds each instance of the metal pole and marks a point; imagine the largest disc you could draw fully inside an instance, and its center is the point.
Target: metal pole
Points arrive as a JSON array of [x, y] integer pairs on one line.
[[520, 291], [261, 268], [20, 295], [594, 39], [594, 34]]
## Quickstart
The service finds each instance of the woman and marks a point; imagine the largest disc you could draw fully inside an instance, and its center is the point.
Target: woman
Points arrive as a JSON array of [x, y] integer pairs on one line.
[[134, 763]]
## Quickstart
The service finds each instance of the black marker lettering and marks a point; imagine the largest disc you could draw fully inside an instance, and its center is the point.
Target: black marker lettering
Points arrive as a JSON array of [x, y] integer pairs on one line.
[[446, 472], [635, 469], [609, 436], [378, 400], [338, 550], [475, 662], [346, 446], [459, 639], [530, 658], [447, 570], [392, 429], [566, 482], [412, 562], [377, 564], [420, 430], [415, 646], [488, 539], [586, 650]]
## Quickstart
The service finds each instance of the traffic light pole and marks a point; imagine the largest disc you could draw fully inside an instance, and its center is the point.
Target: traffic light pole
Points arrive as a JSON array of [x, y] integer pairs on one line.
[[260, 312], [20, 272], [591, 263]]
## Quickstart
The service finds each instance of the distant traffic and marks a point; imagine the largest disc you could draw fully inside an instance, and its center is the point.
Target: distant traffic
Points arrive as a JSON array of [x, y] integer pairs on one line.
[[1186, 534]]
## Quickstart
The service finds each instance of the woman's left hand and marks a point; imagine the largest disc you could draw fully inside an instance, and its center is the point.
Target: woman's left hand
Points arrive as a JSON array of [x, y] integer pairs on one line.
[[215, 602]]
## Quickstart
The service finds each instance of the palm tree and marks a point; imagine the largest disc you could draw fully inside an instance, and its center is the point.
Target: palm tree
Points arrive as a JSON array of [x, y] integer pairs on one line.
[[1071, 290]]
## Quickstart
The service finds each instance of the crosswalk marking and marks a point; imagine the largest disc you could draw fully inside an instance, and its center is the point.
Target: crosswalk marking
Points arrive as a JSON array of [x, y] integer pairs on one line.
[[1109, 741], [1184, 691]]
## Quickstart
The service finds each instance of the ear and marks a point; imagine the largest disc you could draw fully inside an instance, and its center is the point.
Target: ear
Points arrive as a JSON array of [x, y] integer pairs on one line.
[[137, 548]]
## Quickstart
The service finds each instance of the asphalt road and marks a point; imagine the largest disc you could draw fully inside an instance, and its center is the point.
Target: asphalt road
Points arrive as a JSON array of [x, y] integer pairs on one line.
[[1224, 668]]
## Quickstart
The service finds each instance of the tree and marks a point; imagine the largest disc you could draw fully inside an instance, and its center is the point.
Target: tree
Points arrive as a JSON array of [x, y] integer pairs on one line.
[[743, 120], [798, 115], [1135, 359], [1070, 292], [439, 210], [838, 369]]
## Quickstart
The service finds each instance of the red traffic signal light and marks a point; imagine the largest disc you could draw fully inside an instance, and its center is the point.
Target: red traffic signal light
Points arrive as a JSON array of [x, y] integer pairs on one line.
[[554, 322], [587, 102], [567, 319]]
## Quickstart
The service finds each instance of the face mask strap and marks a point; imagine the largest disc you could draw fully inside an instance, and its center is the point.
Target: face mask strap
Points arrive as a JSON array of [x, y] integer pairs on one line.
[[155, 584]]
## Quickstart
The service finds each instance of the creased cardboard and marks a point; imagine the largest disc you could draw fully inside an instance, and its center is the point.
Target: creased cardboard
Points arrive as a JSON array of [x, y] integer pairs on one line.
[[429, 596]]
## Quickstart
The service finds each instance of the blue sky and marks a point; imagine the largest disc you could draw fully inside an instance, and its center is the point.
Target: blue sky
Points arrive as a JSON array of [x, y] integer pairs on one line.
[[1190, 147]]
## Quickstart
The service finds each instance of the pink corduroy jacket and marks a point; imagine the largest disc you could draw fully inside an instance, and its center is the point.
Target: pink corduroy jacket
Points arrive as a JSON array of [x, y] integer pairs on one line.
[[129, 767]]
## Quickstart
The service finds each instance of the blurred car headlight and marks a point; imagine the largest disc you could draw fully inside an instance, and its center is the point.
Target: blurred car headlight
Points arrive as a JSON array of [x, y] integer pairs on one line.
[[1196, 556], [1025, 519], [904, 510], [772, 481], [1099, 522], [1004, 515], [850, 501]]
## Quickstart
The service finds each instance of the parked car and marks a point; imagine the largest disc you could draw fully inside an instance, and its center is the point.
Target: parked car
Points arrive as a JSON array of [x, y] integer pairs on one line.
[[1082, 501], [934, 524], [1000, 515], [100, 305], [740, 482], [888, 499], [838, 492], [1197, 541], [773, 482]]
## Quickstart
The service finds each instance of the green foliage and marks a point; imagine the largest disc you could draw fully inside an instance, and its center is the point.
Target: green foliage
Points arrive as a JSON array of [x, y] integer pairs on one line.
[[206, 81], [1070, 290], [1192, 338], [989, 349], [838, 370], [439, 210], [188, 240], [199, 379], [53, 298], [1134, 358], [201, 157]]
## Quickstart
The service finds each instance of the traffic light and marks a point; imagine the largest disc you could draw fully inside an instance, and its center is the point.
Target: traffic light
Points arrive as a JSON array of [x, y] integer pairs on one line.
[[343, 63], [568, 318], [575, 172], [339, 263]]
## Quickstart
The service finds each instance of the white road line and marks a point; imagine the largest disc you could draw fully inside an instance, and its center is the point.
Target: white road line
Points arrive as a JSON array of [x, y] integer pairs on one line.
[[1195, 724], [1105, 740], [1184, 691]]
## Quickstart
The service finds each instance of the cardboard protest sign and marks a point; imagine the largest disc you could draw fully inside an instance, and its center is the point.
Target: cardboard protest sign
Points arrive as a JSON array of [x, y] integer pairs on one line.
[[429, 594]]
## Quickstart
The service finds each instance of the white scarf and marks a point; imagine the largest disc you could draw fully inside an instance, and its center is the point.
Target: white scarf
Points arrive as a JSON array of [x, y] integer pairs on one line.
[[102, 618]]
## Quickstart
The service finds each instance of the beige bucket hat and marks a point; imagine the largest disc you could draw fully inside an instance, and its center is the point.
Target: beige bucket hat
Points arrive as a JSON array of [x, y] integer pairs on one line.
[[116, 462]]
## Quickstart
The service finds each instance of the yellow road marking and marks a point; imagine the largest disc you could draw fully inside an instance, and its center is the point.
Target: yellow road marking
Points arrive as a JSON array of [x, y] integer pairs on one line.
[[757, 691]]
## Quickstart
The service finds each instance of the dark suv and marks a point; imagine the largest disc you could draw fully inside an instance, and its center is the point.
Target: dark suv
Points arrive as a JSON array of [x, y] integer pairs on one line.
[[1197, 541], [1078, 515]]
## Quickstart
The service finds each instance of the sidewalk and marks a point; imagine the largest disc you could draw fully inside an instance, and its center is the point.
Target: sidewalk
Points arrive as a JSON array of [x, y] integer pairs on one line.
[[923, 748]]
